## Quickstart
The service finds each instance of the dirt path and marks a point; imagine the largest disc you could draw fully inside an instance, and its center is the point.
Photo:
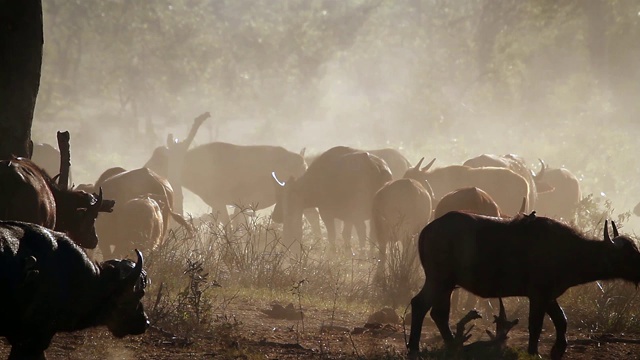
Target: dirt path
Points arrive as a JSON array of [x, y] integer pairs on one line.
[[257, 336]]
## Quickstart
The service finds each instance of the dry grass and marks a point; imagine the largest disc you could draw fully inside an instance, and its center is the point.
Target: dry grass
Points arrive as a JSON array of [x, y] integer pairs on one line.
[[197, 277]]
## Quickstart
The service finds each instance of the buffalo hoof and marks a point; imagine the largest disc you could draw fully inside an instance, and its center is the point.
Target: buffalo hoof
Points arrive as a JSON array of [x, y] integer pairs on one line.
[[413, 355], [558, 350]]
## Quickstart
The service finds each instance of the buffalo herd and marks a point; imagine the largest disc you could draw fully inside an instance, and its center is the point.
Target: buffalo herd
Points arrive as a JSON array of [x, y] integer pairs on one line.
[[491, 225]]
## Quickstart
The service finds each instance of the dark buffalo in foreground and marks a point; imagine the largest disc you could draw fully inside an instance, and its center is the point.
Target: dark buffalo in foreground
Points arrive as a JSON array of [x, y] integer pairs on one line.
[[504, 186], [48, 285], [561, 202], [340, 183], [27, 193], [531, 256], [151, 190], [224, 174]]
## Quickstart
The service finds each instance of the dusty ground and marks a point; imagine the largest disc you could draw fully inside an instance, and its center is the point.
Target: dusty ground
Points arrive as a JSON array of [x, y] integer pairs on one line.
[[257, 336]]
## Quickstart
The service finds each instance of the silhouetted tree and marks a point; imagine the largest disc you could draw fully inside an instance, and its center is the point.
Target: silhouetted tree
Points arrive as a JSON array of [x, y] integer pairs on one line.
[[21, 41]]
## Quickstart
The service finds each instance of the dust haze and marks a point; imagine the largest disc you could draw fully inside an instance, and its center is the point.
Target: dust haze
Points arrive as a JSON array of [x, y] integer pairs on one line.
[[436, 79]]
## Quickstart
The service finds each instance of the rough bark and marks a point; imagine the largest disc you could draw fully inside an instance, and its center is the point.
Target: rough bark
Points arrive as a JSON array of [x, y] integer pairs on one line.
[[21, 42]]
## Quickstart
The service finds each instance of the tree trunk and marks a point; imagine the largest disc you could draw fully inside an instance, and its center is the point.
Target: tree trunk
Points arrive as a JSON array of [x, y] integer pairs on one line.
[[21, 41]]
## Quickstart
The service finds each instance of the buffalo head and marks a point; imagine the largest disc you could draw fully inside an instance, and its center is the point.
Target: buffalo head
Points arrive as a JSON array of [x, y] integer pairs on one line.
[[125, 312]]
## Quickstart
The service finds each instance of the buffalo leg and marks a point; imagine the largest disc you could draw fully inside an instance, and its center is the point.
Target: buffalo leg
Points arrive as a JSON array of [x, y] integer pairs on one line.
[[330, 223], [19, 354], [361, 230], [347, 228], [312, 216], [440, 313], [560, 322], [420, 305], [537, 309], [220, 212]]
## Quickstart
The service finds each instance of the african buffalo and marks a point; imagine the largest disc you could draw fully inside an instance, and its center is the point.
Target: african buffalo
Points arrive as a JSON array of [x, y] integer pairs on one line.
[[224, 174], [398, 163], [138, 223], [341, 183], [125, 187], [527, 255], [504, 186], [27, 193], [401, 208], [562, 201], [470, 199], [514, 163], [48, 285]]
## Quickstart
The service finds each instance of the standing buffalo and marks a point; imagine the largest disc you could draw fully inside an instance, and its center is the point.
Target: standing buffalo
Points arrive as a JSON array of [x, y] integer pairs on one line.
[[27, 193], [516, 164], [504, 186], [470, 199], [224, 174], [401, 208], [531, 256], [138, 223], [48, 285], [562, 201], [398, 163], [341, 183], [142, 193]]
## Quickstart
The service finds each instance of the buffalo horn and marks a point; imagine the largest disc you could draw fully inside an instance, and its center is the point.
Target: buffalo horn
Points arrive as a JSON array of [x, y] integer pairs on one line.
[[131, 279], [523, 207], [429, 165], [543, 168], [419, 164], [98, 203], [606, 232], [615, 229], [273, 173]]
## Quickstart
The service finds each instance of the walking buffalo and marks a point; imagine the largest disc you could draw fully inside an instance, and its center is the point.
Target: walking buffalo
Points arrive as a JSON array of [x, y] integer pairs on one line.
[[527, 255]]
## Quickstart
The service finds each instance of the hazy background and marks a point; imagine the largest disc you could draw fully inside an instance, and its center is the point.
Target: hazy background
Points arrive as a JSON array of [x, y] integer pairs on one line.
[[558, 80]]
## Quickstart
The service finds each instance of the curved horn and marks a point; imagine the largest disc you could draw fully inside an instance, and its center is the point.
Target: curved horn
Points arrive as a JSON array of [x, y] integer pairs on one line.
[[429, 165], [131, 279], [419, 164], [98, 203], [523, 207], [606, 232], [615, 229], [543, 168], [273, 174]]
